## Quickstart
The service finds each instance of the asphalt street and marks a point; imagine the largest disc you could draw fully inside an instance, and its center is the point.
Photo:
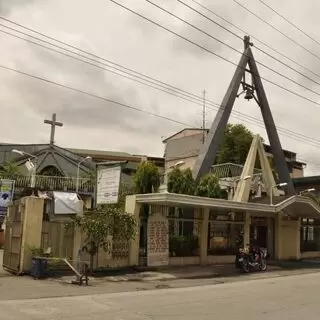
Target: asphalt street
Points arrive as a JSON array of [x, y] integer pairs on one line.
[[291, 297]]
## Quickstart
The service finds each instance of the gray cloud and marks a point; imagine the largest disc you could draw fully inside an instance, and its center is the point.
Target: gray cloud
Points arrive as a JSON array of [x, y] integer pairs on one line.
[[111, 32], [6, 6]]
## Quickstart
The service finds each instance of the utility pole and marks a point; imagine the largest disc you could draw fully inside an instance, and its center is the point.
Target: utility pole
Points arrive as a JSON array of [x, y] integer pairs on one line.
[[204, 117]]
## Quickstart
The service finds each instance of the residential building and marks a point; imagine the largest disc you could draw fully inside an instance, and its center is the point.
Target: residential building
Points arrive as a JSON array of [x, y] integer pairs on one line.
[[184, 147]]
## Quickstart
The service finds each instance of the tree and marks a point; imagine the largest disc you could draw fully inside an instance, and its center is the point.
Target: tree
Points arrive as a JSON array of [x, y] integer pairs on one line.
[[147, 178], [11, 169], [209, 187], [181, 181], [235, 144], [101, 223]]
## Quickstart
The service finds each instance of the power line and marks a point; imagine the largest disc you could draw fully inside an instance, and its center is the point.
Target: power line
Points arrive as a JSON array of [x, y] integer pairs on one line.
[[257, 40], [157, 82], [124, 105], [195, 101], [276, 29], [90, 54], [166, 86], [244, 117], [261, 50], [258, 62], [288, 21], [177, 18], [237, 115], [212, 52], [51, 82]]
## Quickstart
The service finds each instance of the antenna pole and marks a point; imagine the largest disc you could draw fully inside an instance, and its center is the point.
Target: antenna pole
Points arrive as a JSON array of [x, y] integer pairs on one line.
[[204, 117]]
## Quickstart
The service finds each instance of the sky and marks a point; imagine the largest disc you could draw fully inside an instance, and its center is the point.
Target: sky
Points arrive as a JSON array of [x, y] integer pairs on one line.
[[108, 31]]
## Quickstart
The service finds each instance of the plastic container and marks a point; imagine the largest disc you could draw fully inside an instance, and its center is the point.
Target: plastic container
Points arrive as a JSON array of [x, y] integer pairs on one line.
[[38, 267]]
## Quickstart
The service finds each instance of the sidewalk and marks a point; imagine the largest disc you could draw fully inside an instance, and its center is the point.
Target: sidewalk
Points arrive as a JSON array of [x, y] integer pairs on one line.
[[169, 274]]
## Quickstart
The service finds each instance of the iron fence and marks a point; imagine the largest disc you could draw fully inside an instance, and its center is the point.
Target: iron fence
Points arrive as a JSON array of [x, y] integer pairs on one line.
[[52, 183]]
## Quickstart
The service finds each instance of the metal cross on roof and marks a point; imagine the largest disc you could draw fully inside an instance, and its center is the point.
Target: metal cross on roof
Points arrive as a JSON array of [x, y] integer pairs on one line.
[[53, 124]]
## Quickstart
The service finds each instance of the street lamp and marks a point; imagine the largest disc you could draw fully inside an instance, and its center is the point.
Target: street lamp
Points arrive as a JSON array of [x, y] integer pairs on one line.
[[306, 191], [78, 171], [177, 164], [282, 184], [31, 166]]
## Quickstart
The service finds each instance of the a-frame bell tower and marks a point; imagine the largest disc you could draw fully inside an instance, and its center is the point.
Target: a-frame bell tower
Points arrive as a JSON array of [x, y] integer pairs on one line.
[[255, 90]]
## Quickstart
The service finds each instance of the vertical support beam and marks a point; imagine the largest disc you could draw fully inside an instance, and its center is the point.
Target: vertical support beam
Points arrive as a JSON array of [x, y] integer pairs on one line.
[[271, 237], [246, 231], [212, 143], [204, 236], [280, 162], [268, 178], [242, 191], [31, 230], [277, 237], [133, 208]]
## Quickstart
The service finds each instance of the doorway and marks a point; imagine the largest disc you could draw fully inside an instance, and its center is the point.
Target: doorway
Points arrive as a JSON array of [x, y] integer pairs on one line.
[[259, 236], [262, 234]]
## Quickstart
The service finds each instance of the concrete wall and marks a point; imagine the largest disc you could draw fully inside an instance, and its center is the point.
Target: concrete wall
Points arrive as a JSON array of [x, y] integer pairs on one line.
[[310, 255], [287, 239], [31, 230]]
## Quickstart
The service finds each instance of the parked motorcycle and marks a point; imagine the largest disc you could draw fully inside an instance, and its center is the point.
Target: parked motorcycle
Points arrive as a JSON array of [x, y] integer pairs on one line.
[[254, 260]]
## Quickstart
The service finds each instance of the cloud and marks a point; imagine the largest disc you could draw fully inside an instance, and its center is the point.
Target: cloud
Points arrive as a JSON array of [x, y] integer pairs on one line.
[[6, 6], [109, 31]]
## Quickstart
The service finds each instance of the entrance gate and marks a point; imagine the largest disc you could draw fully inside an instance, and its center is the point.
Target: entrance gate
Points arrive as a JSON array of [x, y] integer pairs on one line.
[[13, 238]]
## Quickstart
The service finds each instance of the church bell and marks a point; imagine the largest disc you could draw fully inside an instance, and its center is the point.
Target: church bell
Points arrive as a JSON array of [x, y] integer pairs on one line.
[[249, 94]]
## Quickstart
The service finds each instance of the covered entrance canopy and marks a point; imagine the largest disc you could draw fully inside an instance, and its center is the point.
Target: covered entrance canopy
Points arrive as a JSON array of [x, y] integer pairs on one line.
[[281, 226], [295, 206]]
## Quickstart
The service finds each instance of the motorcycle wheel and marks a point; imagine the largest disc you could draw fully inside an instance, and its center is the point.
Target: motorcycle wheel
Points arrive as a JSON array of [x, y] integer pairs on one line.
[[263, 265], [245, 267]]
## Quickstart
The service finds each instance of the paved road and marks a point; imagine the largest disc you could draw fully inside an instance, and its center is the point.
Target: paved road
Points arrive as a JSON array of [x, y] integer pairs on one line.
[[287, 298]]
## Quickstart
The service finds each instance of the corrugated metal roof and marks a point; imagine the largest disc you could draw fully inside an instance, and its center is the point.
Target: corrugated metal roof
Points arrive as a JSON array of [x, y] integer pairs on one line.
[[102, 153]]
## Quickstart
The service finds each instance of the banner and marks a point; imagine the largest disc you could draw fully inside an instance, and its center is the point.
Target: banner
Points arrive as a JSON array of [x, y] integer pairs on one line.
[[67, 203], [108, 184], [6, 196]]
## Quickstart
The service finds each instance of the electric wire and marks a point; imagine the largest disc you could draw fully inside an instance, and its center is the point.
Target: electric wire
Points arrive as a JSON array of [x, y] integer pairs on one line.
[[121, 104], [276, 29], [214, 106], [288, 21], [232, 48], [213, 53], [244, 117], [94, 55], [257, 40], [261, 50]]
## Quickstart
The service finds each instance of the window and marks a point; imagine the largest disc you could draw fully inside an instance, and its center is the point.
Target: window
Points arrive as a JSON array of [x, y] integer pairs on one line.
[[310, 235]]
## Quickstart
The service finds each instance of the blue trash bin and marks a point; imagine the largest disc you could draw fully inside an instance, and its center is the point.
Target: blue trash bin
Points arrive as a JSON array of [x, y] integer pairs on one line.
[[38, 267]]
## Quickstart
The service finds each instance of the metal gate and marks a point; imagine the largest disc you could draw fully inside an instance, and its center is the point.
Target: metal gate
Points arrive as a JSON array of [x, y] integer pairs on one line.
[[13, 237]]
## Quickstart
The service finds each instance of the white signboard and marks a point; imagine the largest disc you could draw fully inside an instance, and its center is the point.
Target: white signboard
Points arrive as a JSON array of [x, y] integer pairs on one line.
[[108, 184]]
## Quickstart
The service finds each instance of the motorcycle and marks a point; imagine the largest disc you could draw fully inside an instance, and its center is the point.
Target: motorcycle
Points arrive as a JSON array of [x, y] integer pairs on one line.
[[254, 260]]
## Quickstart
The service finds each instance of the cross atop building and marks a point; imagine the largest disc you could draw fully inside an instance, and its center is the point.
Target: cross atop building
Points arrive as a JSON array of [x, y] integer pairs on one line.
[[53, 124]]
